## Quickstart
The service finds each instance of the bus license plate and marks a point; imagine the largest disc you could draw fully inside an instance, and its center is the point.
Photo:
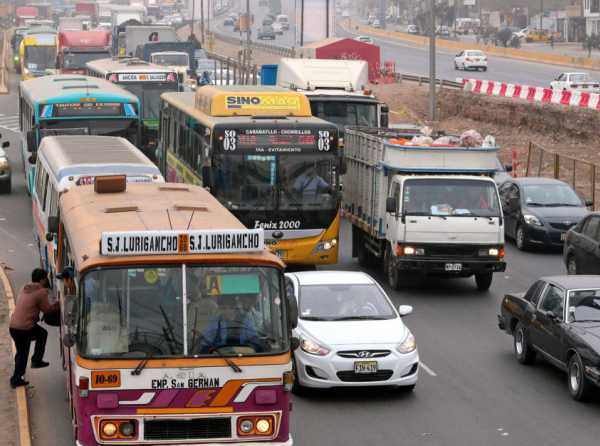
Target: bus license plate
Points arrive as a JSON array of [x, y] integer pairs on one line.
[[453, 266], [563, 236], [364, 367]]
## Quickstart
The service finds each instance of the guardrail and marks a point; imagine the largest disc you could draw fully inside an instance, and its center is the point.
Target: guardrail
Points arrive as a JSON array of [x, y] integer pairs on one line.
[[581, 175], [399, 77], [261, 46], [229, 71]]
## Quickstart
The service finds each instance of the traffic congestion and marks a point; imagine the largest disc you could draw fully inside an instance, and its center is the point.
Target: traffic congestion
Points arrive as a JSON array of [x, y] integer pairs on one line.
[[274, 257]]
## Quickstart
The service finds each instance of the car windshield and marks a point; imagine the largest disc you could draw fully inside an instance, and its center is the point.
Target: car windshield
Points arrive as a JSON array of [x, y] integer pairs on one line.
[[457, 198], [140, 312], [346, 114], [40, 58], [149, 95], [343, 302], [584, 305], [173, 60], [550, 195], [580, 77], [275, 181], [77, 60], [475, 53]]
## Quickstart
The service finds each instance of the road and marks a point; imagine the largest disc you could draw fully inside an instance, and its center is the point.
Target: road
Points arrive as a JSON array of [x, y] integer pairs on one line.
[[472, 393]]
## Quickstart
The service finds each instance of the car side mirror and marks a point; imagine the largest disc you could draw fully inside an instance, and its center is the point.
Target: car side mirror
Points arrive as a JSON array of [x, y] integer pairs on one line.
[[513, 202], [5, 144], [391, 205], [292, 309], [508, 167], [551, 315], [405, 310], [589, 203]]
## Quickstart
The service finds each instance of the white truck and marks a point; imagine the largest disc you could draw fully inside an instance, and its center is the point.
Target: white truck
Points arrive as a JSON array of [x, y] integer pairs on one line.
[[422, 210], [337, 90]]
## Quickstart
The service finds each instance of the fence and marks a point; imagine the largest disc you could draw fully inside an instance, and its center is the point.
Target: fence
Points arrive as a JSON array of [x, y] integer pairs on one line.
[[581, 175]]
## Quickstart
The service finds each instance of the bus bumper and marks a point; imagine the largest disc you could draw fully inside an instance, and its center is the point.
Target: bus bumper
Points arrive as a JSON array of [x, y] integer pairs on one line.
[[290, 442]]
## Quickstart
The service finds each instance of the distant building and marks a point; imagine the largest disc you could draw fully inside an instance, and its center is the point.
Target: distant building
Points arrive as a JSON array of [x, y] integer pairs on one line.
[[591, 13]]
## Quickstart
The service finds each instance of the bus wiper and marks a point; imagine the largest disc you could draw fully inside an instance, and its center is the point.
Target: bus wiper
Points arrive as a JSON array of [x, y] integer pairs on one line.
[[142, 365], [229, 362]]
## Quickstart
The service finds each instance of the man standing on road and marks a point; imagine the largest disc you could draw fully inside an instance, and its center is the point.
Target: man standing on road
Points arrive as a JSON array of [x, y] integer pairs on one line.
[[31, 300]]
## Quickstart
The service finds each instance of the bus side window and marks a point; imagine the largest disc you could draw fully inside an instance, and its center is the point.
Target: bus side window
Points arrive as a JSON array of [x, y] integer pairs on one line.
[[39, 169], [53, 211], [44, 191]]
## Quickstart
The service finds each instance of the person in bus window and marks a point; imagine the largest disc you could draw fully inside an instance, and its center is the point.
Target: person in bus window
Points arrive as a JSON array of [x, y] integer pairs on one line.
[[309, 184]]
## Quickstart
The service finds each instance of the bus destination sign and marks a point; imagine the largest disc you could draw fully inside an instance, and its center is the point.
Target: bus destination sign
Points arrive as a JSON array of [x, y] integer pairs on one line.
[[181, 242], [76, 109], [276, 140], [147, 77]]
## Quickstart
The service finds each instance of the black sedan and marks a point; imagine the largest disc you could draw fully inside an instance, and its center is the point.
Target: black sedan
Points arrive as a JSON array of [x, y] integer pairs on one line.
[[540, 211], [558, 318], [581, 252]]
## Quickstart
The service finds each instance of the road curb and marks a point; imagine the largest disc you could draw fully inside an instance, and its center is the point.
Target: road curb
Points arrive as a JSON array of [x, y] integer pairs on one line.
[[22, 408], [509, 53]]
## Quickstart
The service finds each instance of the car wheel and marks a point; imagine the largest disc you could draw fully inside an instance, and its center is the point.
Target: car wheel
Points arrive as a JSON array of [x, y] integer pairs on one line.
[[571, 265], [484, 280], [391, 272], [523, 352], [521, 239], [5, 187], [580, 387]]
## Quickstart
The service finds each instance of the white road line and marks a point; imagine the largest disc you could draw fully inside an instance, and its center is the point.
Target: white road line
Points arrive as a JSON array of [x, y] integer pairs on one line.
[[427, 369]]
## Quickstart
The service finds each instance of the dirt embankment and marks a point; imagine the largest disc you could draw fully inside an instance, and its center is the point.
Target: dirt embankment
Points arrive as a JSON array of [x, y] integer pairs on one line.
[[565, 130]]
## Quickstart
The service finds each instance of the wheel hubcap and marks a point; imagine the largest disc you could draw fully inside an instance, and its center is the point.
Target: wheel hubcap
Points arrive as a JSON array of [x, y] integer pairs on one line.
[[574, 377], [572, 267], [519, 342]]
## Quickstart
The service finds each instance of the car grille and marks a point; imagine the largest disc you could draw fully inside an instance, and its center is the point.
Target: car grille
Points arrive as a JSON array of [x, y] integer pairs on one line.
[[364, 353], [351, 377], [199, 428], [562, 226]]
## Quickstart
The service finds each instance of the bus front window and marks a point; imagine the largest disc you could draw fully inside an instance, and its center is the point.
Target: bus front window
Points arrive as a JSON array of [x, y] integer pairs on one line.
[[245, 182], [126, 128], [40, 58], [307, 182]]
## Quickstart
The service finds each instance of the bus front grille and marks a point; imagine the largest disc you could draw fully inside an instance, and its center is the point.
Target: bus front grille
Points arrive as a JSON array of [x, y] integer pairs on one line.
[[198, 428]]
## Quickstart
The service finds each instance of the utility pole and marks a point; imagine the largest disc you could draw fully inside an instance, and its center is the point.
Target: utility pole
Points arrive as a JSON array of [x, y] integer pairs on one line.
[[432, 86], [541, 14], [208, 17], [301, 23], [193, 17], [248, 24], [202, 21]]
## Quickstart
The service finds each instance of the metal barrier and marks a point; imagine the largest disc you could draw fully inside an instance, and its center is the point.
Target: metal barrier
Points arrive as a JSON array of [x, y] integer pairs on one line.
[[399, 77], [581, 175], [267, 48], [229, 71]]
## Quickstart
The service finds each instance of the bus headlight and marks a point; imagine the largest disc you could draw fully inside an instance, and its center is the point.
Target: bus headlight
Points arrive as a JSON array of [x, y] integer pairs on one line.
[[262, 426], [325, 245], [109, 429]]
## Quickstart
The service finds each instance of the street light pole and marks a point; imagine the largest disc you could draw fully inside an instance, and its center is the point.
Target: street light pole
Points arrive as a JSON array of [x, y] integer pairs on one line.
[[202, 21], [541, 14], [193, 17], [432, 89]]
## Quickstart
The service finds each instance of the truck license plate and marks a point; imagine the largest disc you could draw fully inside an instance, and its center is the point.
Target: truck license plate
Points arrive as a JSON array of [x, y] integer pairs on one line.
[[453, 266], [365, 367], [563, 236]]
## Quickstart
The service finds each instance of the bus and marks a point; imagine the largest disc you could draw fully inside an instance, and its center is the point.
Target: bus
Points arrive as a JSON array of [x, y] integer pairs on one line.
[[67, 161], [145, 80], [260, 153], [178, 327], [37, 54], [73, 105]]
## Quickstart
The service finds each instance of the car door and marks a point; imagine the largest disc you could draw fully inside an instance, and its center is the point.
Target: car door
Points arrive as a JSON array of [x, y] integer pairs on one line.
[[589, 250], [557, 83], [548, 324]]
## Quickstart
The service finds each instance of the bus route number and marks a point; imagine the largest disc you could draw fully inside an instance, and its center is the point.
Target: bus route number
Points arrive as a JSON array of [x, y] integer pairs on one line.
[[324, 144], [101, 379], [229, 140]]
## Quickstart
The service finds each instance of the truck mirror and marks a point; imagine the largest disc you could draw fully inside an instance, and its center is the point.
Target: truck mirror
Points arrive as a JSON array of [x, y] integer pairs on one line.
[[589, 203], [385, 116], [391, 205]]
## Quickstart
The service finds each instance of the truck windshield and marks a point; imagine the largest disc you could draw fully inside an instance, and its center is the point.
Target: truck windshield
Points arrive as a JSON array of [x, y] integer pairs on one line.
[[149, 95], [346, 114], [77, 60], [40, 58], [275, 181], [448, 197], [139, 312], [172, 60]]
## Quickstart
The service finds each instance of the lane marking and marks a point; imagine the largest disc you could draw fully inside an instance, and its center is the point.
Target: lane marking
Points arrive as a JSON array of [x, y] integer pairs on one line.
[[427, 369], [22, 409]]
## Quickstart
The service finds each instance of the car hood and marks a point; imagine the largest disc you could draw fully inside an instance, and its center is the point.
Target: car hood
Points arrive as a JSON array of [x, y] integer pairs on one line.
[[573, 214], [588, 332], [392, 331]]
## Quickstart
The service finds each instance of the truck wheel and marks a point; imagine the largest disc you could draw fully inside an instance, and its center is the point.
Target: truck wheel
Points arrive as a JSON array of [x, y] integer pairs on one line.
[[391, 272], [523, 352], [5, 187], [484, 280], [365, 258], [580, 387]]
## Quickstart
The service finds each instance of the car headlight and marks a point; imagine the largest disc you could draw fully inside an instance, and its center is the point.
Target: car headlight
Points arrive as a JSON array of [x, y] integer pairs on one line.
[[408, 345], [532, 220], [313, 348]]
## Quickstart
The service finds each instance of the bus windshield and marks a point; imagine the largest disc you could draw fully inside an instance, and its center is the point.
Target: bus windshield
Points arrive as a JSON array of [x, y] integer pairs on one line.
[[140, 312], [149, 95], [126, 128], [77, 60], [346, 114], [275, 181], [40, 57]]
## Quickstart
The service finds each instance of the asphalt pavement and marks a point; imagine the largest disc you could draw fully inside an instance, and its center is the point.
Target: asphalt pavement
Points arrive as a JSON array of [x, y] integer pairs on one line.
[[471, 390]]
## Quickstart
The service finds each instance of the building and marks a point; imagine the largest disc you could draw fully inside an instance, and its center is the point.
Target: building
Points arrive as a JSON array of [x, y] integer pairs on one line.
[[591, 13]]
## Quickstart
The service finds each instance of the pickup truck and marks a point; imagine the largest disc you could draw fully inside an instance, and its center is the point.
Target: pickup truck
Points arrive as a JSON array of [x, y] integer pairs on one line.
[[558, 318], [575, 81]]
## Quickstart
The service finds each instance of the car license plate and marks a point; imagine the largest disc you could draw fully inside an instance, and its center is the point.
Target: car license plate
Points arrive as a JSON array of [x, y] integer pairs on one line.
[[563, 236], [453, 267], [364, 367]]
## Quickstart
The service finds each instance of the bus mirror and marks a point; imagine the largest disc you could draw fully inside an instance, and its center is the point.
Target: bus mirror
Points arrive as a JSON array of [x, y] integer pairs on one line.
[[295, 343], [206, 177], [70, 311], [292, 310], [31, 141], [68, 340], [5, 144], [32, 158], [53, 225]]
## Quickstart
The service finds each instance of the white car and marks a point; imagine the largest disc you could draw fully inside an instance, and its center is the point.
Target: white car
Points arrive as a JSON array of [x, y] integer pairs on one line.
[[278, 28], [575, 81], [350, 333], [364, 39], [376, 23], [471, 60]]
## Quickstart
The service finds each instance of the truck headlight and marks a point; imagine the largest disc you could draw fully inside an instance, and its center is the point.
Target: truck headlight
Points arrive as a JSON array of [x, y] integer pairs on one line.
[[408, 345], [491, 252], [412, 251], [532, 220]]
